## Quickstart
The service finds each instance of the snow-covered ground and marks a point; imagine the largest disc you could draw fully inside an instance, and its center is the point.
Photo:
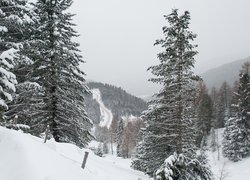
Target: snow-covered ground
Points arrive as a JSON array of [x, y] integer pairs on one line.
[[25, 157], [106, 114], [224, 169]]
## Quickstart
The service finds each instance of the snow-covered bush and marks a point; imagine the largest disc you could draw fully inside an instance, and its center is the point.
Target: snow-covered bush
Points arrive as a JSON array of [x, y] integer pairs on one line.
[[179, 166]]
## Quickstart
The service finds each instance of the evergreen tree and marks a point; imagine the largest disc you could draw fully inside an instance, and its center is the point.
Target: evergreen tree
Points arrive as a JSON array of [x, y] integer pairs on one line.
[[179, 166], [99, 151], [113, 132], [236, 142], [7, 82], [204, 111], [56, 69], [15, 17], [222, 103], [169, 119], [120, 135], [128, 140], [213, 140], [21, 24]]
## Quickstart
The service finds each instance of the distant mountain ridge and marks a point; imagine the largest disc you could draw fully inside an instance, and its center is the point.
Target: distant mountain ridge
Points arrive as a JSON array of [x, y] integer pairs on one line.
[[228, 72], [116, 99]]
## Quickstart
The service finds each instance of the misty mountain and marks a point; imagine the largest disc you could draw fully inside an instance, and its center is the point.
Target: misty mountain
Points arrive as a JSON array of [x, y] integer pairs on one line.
[[228, 72], [114, 98]]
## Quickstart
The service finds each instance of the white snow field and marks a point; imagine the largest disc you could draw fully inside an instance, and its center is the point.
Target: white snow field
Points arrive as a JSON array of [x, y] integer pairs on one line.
[[224, 169], [25, 157], [106, 114]]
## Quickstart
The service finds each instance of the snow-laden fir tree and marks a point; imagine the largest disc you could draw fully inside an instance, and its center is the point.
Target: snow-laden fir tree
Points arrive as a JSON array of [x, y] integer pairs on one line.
[[169, 119], [222, 105], [120, 131], [178, 166], [204, 111], [236, 142], [14, 16], [7, 81], [20, 24], [56, 69]]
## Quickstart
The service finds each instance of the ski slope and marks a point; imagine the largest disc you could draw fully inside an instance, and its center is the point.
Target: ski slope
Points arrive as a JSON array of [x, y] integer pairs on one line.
[[106, 114], [25, 157]]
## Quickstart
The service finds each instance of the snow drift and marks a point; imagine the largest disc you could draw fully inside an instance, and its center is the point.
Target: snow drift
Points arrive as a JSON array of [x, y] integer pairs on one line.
[[25, 157]]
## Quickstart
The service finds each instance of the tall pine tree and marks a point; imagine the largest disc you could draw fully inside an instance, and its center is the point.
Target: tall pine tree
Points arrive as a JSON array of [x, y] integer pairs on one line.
[[56, 69], [169, 119]]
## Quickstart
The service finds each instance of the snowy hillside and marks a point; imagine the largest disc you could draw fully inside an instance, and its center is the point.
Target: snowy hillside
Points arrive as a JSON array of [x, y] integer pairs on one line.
[[113, 98], [25, 157], [224, 169]]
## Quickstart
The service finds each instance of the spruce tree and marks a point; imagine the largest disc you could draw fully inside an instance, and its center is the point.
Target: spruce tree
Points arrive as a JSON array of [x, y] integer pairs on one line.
[[19, 37], [169, 119], [204, 111], [56, 69], [236, 142], [120, 132], [7, 82], [15, 17], [222, 103]]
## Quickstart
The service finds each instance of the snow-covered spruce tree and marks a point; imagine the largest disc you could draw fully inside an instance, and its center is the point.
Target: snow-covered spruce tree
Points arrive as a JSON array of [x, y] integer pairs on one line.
[[236, 142], [178, 166], [56, 69], [120, 131], [7, 82], [204, 111], [169, 119], [13, 20], [18, 19], [222, 105]]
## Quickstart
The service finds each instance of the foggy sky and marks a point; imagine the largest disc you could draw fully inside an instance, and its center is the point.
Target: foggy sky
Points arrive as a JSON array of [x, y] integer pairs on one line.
[[117, 36]]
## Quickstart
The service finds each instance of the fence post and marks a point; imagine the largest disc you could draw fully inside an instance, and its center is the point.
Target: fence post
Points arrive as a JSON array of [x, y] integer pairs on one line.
[[85, 159], [46, 134]]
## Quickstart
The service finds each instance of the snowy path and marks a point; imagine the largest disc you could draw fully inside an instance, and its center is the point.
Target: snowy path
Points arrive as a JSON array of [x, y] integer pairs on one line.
[[25, 157], [106, 114]]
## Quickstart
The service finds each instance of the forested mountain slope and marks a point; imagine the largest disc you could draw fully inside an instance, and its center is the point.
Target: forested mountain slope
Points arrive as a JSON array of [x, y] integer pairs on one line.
[[116, 99]]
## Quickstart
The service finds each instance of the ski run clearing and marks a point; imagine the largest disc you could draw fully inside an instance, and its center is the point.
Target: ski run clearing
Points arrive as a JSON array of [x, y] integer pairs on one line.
[[106, 114], [25, 157]]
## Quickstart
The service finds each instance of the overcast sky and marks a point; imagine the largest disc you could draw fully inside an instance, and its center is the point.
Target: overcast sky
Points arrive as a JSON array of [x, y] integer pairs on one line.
[[117, 36]]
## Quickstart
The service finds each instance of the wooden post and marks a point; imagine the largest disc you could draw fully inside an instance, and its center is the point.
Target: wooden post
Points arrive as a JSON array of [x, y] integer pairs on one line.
[[85, 159], [15, 120], [46, 134]]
